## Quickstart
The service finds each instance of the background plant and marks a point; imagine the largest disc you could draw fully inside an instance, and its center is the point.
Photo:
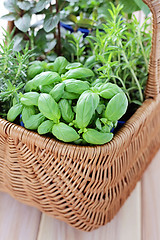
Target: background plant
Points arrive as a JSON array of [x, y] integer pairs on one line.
[[46, 36], [93, 13]]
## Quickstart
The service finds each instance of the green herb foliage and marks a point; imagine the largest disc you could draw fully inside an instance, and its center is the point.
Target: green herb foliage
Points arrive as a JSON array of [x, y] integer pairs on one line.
[[73, 111], [13, 72], [122, 53]]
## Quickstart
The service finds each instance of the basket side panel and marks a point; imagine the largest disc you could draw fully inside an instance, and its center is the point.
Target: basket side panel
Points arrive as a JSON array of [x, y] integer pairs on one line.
[[84, 186]]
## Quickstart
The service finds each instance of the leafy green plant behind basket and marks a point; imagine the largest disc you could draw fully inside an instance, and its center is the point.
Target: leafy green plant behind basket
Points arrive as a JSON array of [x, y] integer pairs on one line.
[[88, 7], [44, 35], [91, 14]]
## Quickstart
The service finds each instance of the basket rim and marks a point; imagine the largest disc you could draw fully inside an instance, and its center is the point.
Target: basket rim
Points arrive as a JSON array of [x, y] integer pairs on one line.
[[128, 129]]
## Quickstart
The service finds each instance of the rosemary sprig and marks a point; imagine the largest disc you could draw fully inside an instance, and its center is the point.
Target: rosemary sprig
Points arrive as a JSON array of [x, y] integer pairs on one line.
[[13, 71]]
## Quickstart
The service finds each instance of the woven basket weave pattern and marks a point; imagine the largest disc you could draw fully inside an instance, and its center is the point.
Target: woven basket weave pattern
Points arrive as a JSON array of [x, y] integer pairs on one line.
[[83, 186]]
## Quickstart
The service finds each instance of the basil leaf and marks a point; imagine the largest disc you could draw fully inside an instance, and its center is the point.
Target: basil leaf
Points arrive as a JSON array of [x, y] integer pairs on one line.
[[64, 132], [48, 107], [116, 107]]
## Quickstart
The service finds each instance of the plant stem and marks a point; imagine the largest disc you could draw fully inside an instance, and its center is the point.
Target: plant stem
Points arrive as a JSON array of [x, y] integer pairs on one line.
[[123, 85], [134, 76], [18, 71], [132, 72], [142, 48], [32, 43], [58, 35], [77, 49]]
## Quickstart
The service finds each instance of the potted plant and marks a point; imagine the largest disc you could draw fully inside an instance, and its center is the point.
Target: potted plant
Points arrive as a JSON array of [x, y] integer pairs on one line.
[[82, 185]]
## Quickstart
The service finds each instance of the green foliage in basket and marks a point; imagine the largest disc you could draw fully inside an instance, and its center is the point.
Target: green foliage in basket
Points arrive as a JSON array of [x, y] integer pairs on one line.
[[121, 53], [13, 72], [74, 110]]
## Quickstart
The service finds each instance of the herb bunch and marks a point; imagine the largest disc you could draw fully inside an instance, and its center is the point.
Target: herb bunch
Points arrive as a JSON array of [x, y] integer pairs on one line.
[[122, 52], [72, 110], [13, 72]]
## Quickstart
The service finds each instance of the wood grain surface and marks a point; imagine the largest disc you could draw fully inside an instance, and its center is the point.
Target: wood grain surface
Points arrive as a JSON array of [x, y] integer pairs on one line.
[[151, 201], [17, 221]]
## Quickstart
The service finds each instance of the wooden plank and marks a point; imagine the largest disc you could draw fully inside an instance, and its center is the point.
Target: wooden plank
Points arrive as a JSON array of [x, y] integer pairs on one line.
[[17, 221], [151, 201], [126, 225]]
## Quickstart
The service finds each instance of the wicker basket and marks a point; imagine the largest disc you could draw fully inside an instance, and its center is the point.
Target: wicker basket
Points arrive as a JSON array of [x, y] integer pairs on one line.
[[84, 186]]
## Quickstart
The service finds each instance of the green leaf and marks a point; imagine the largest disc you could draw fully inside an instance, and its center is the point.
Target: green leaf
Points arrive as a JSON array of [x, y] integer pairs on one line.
[[73, 65], [44, 78], [85, 23], [86, 106], [66, 110], [45, 127], [109, 90], [72, 18], [11, 5], [57, 91], [34, 121], [41, 4], [25, 5], [35, 68], [129, 6], [48, 107], [23, 23], [79, 73], [142, 6], [93, 136], [27, 112], [50, 45], [40, 40], [46, 88], [18, 38], [64, 132], [59, 65], [30, 99], [70, 96], [76, 86], [9, 17], [116, 107], [50, 22], [137, 102], [14, 111]]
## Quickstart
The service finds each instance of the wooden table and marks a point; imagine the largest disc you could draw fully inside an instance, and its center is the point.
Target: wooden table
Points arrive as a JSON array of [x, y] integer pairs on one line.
[[138, 219]]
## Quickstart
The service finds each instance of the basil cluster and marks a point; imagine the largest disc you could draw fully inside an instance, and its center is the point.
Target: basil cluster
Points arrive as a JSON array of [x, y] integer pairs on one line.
[[61, 98]]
